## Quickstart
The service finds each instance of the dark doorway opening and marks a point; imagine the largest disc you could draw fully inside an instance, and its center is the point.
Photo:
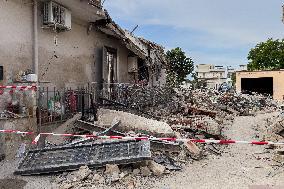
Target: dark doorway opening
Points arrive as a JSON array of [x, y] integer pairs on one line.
[[143, 73], [263, 85]]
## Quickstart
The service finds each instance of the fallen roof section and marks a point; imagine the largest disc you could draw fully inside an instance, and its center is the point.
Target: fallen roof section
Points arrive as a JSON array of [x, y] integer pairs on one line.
[[144, 49], [65, 158]]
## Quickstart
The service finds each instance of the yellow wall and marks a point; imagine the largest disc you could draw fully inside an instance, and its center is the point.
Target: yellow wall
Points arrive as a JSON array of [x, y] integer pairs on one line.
[[278, 81]]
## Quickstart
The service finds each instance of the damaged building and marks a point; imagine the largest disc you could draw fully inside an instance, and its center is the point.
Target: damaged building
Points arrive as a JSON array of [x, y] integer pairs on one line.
[[70, 43], [63, 45]]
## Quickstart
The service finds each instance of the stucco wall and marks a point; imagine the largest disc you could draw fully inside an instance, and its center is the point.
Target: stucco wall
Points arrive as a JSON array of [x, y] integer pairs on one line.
[[69, 61], [10, 143], [278, 78], [15, 37]]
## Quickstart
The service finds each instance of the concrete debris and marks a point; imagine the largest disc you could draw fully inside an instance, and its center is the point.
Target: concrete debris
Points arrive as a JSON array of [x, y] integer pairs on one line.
[[131, 122], [113, 172], [169, 163], [136, 171], [156, 168], [145, 171], [111, 169], [192, 148], [81, 174], [98, 179]]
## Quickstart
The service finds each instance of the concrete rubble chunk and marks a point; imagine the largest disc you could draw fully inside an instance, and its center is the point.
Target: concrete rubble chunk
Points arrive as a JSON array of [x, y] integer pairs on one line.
[[98, 178], [110, 169], [192, 148], [131, 122], [81, 174], [145, 171], [156, 168], [136, 171], [113, 172]]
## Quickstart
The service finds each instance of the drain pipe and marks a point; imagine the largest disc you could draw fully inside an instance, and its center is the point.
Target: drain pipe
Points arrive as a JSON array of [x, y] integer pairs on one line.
[[35, 38], [35, 62]]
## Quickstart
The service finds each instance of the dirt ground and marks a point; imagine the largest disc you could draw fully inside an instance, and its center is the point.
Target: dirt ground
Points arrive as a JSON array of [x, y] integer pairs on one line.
[[240, 166]]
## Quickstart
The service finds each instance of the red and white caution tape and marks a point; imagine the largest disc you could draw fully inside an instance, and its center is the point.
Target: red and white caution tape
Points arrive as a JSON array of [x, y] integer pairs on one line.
[[35, 141], [20, 88]]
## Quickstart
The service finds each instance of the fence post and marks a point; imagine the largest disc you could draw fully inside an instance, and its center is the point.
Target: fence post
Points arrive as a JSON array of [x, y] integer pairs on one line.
[[82, 103], [40, 92]]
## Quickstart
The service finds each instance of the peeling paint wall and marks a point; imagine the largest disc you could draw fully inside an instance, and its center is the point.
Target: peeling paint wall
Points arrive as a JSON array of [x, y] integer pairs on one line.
[[15, 37], [65, 58]]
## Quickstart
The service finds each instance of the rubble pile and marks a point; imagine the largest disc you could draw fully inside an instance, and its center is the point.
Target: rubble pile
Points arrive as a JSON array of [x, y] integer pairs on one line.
[[111, 176], [164, 102], [274, 132], [153, 112], [193, 113]]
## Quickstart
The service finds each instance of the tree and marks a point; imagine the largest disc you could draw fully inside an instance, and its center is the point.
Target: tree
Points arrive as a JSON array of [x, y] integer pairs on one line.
[[234, 79], [267, 55], [178, 67]]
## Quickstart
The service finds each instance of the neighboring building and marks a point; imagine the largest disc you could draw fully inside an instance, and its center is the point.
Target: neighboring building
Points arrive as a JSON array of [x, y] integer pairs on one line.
[[214, 76], [265, 82], [230, 72], [243, 67], [72, 42]]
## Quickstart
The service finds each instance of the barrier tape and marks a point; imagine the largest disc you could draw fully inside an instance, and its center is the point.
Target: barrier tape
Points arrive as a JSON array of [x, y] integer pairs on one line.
[[223, 142], [19, 88]]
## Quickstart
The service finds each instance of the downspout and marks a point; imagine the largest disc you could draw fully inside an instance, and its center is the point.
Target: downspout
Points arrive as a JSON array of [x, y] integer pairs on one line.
[[35, 62], [35, 38]]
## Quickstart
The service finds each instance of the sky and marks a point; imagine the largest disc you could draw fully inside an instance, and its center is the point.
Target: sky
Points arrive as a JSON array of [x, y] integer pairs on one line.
[[219, 32]]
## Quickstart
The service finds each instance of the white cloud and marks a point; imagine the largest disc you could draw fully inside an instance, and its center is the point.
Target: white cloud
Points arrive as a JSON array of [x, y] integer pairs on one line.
[[221, 23]]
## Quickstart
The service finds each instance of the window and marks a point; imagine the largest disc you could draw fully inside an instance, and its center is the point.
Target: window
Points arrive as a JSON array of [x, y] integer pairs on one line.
[[110, 65], [1, 73]]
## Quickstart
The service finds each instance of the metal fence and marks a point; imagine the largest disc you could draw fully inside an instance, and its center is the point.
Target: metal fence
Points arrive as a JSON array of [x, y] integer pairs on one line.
[[58, 105], [137, 96]]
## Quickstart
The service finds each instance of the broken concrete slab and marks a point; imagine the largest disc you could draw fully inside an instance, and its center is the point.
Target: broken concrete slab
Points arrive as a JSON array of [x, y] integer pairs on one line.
[[131, 122]]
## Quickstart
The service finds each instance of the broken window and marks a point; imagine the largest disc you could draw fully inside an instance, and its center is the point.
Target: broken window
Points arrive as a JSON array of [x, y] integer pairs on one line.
[[143, 73], [109, 68]]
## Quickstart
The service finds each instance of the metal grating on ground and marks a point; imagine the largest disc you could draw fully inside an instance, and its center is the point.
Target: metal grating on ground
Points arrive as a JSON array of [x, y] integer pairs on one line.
[[64, 158]]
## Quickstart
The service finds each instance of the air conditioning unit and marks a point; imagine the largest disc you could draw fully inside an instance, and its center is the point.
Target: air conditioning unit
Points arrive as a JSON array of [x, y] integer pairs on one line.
[[57, 16], [132, 64]]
